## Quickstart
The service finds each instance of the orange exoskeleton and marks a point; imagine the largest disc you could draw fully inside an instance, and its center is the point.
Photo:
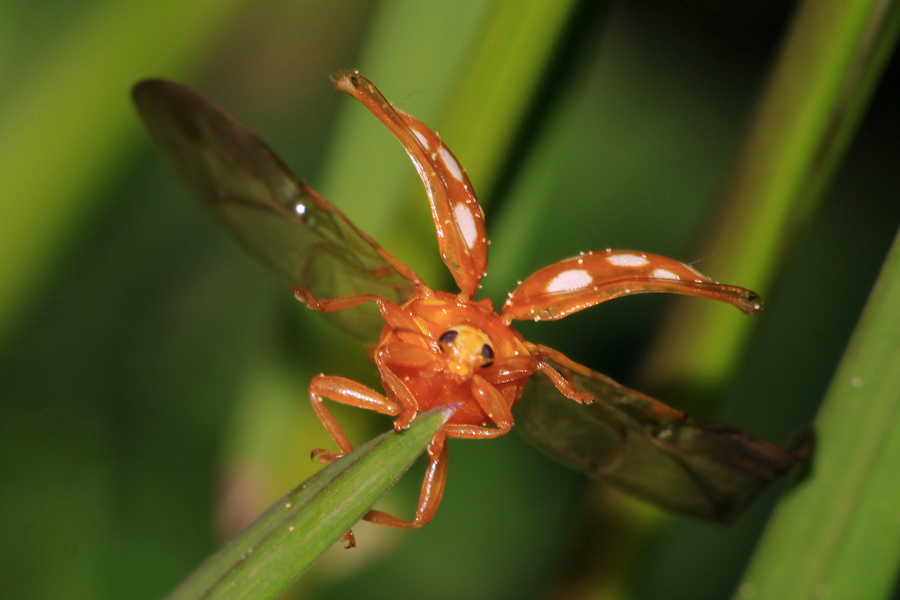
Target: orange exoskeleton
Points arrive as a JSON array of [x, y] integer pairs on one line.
[[438, 348]]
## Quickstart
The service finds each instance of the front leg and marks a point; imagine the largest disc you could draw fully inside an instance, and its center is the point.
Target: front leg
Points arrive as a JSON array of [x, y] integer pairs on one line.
[[409, 406], [395, 316], [351, 393], [494, 405]]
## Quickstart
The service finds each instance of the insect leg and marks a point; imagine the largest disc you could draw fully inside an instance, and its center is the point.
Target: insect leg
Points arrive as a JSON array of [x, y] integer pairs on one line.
[[408, 406], [562, 384], [516, 367], [393, 314], [347, 392], [402, 354], [476, 432], [559, 357], [492, 402], [432, 490]]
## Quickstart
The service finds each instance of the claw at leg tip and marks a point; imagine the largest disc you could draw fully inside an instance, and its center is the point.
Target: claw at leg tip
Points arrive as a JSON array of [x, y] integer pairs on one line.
[[349, 539]]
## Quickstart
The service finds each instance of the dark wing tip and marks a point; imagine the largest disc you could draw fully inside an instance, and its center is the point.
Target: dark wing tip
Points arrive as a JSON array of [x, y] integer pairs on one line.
[[151, 88], [171, 110], [154, 96]]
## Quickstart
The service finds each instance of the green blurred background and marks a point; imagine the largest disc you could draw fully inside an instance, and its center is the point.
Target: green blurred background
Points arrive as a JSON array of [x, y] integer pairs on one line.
[[152, 378]]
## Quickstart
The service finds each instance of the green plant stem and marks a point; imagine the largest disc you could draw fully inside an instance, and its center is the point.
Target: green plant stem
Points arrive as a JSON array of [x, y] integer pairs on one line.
[[66, 127], [267, 556], [490, 102], [837, 534]]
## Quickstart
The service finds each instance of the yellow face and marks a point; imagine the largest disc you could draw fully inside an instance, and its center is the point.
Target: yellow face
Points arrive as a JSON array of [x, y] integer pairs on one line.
[[467, 348]]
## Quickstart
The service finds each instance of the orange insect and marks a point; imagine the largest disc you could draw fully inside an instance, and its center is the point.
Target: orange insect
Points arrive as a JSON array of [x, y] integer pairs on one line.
[[436, 347]]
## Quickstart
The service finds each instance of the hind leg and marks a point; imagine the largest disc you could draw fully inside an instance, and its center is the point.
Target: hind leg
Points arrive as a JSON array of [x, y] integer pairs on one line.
[[432, 490]]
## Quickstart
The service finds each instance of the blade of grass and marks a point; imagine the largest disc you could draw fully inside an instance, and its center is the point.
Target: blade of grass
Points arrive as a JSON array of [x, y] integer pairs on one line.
[[490, 101], [65, 128], [826, 73], [838, 533], [518, 222], [265, 558]]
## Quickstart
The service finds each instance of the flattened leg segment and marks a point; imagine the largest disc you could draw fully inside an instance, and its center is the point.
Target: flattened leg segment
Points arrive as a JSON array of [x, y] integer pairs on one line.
[[405, 400], [492, 402], [476, 432]]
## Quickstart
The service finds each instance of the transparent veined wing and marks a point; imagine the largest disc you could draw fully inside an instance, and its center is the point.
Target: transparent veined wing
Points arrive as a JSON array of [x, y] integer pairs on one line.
[[273, 215], [686, 465]]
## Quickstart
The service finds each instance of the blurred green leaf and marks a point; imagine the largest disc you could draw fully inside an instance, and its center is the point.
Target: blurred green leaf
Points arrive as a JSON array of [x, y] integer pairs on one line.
[[819, 89], [837, 534], [489, 103], [267, 556], [518, 222], [63, 130]]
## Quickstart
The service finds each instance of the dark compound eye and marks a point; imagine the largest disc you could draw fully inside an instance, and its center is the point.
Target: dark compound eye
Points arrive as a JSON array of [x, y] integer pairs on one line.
[[448, 336], [488, 353]]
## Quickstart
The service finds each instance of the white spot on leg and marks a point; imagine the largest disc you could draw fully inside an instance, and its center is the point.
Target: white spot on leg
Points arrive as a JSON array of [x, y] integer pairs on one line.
[[627, 260], [664, 274], [569, 281], [466, 223], [451, 163]]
